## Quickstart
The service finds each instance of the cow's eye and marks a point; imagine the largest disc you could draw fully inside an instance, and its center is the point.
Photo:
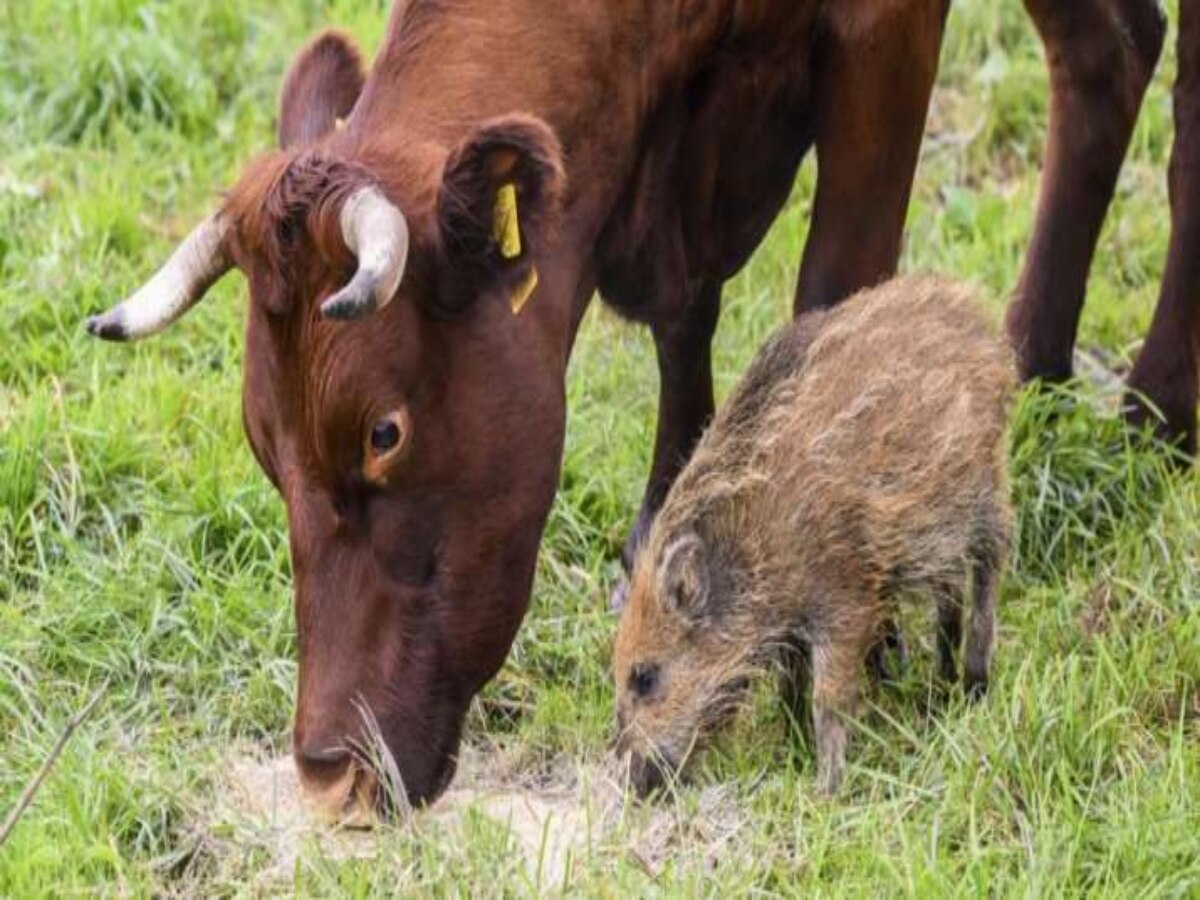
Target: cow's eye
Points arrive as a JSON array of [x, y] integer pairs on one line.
[[643, 679], [383, 446], [385, 435]]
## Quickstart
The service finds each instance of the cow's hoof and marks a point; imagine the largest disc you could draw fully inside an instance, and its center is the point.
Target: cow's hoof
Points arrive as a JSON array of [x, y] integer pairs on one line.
[[1174, 428]]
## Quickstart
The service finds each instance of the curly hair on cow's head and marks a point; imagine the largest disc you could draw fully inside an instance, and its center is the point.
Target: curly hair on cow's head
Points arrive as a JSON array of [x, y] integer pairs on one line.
[[287, 204]]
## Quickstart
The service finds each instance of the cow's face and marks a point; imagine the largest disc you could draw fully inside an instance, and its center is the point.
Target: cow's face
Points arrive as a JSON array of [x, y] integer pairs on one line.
[[404, 397], [417, 453]]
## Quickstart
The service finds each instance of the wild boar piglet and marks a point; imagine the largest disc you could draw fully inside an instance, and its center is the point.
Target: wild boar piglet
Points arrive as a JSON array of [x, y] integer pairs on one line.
[[859, 464]]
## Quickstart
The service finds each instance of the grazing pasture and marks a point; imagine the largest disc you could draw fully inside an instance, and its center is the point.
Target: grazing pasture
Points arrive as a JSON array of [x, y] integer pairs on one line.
[[141, 548]]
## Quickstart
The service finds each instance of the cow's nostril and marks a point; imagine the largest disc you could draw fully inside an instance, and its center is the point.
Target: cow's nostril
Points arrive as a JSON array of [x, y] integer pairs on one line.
[[336, 789], [323, 762]]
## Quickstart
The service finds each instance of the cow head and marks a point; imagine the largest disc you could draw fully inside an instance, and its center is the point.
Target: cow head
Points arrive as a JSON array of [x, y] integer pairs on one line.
[[408, 413]]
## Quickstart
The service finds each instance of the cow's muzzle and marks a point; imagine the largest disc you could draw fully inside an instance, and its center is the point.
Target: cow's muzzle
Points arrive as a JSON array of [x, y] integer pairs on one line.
[[338, 788]]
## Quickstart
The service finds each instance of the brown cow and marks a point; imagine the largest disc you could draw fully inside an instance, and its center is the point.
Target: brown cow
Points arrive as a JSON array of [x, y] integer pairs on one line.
[[501, 161], [648, 146]]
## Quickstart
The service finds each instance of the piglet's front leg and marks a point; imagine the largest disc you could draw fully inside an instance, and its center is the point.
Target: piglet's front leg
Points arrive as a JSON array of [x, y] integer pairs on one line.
[[834, 698]]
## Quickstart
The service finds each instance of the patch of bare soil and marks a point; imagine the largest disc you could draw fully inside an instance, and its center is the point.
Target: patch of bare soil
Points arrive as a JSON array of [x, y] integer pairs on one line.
[[555, 814]]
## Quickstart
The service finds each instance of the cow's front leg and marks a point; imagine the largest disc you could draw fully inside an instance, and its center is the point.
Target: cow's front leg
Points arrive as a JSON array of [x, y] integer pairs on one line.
[[1165, 373], [875, 70], [685, 406], [1101, 55], [875, 66]]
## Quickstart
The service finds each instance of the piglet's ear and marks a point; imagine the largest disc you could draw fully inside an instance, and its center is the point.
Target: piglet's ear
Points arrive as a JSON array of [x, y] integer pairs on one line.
[[684, 579], [498, 208]]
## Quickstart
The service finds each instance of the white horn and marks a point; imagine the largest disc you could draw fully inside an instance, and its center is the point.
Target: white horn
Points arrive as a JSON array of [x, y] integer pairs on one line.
[[377, 234], [193, 268]]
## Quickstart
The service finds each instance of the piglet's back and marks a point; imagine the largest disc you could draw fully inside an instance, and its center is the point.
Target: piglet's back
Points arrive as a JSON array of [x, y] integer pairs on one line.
[[914, 365], [891, 428], [862, 432]]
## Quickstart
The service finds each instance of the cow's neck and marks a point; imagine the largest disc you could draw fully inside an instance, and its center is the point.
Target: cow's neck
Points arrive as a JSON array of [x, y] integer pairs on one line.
[[595, 71]]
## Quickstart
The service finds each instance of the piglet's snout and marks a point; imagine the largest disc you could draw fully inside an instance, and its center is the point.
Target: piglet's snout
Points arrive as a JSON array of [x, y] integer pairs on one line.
[[646, 776]]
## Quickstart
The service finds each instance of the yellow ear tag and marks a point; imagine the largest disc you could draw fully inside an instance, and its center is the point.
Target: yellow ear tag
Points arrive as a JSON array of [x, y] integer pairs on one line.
[[506, 222], [524, 291], [506, 226]]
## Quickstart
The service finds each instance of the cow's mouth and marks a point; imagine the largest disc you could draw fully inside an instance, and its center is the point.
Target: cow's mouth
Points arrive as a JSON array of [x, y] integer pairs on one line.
[[347, 800], [440, 782], [366, 794], [394, 802]]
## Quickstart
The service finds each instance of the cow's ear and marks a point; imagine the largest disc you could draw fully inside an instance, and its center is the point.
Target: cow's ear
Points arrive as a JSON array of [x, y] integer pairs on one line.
[[498, 208], [320, 90]]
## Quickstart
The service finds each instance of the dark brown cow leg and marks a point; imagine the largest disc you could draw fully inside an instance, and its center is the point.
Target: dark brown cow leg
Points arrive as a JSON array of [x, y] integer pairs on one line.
[[873, 87], [685, 404], [1165, 372], [874, 75], [1101, 55]]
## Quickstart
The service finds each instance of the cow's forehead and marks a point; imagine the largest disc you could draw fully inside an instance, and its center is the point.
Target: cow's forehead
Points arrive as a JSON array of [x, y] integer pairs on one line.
[[321, 383]]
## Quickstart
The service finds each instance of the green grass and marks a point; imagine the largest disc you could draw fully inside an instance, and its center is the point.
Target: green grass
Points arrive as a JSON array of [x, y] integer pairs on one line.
[[140, 545]]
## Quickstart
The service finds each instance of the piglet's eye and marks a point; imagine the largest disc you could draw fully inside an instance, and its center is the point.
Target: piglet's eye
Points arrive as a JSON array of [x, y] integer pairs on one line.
[[643, 679]]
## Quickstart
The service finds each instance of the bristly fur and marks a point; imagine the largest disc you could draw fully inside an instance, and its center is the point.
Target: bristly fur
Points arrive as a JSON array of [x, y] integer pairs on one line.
[[859, 463]]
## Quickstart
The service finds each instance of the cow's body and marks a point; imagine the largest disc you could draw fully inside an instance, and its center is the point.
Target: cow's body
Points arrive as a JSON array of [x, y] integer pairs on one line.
[[648, 145]]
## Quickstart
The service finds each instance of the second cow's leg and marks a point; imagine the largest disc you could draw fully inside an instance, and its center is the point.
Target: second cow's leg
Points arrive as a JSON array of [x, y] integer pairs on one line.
[[1165, 372], [875, 68], [1101, 55]]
